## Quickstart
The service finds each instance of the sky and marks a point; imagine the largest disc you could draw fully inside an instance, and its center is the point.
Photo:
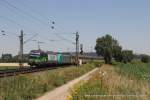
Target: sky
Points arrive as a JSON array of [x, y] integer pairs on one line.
[[126, 20]]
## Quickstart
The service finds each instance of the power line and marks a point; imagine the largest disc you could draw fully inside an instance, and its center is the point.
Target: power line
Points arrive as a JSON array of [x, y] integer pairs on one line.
[[23, 12], [12, 6], [51, 21], [35, 11], [54, 40], [18, 24], [14, 11], [64, 38], [35, 18], [61, 37], [10, 20], [13, 21], [30, 38]]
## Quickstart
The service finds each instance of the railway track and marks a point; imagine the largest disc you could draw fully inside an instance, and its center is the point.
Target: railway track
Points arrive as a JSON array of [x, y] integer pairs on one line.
[[15, 72]]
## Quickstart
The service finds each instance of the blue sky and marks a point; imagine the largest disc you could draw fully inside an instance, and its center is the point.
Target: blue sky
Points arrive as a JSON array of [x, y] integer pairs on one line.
[[126, 20]]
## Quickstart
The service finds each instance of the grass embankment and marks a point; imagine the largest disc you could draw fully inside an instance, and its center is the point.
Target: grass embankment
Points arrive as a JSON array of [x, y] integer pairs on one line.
[[122, 82], [27, 87]]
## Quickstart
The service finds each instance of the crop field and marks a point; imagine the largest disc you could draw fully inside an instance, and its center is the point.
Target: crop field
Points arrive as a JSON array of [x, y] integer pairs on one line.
[[26, 87], [134, 70], [117, 82]]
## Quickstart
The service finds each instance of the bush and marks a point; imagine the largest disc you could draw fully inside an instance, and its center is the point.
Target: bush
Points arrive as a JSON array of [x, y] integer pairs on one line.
[[145, 59]]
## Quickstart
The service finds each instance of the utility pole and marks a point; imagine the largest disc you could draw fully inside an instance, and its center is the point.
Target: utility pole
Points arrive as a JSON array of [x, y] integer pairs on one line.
[[39, 46], [21, 50], [77, 48]]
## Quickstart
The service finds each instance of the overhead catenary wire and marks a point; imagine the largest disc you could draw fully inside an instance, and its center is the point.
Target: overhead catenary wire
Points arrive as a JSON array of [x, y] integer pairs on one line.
[[18, 24], [52, 40], [64, 39], [37, 12], [7, 33], [14, 11], [24, 12], [30, 38], [14, 34], [9, 6], [10, 20], [49, 19], [35, 18], [43, 16]]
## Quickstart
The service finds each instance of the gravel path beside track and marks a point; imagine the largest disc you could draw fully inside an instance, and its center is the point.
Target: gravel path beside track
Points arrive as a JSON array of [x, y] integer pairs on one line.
[[62, 92]]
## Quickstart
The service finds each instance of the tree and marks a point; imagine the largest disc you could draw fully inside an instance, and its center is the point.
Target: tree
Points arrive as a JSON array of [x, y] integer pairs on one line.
[[25, 58], [6, 57], [145, 58], [117, 53], [127, 55], [106, 46]]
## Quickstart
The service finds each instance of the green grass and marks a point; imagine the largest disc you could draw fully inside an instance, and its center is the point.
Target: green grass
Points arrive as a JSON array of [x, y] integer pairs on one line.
[[135, 69], [8, 67], [84, 91], [27, 87]]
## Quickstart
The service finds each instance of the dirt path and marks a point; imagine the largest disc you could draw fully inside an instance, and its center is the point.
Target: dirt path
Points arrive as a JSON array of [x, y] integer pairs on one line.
[[62, 92]]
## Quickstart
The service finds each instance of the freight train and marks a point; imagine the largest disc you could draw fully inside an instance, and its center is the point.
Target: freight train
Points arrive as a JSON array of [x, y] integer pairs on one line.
[[40, 58]]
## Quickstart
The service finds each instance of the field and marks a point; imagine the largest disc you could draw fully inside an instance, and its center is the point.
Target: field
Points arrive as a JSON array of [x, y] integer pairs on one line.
[[136, 69], [10, 65], [27, 87], [118, 82]]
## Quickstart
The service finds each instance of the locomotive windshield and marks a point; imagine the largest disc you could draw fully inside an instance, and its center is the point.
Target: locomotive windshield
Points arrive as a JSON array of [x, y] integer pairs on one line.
[[34, 54]]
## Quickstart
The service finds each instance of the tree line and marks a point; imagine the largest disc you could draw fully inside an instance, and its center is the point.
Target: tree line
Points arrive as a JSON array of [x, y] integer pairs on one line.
[[8, 58], [109, 48]]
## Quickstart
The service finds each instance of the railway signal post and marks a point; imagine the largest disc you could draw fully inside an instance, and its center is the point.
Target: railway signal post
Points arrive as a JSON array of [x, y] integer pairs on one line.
[[81, 49], [21, 50]]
